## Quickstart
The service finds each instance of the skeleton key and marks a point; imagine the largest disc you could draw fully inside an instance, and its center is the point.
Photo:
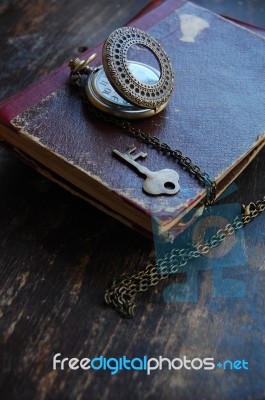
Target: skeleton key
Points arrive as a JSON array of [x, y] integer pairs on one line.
[[164, 181]]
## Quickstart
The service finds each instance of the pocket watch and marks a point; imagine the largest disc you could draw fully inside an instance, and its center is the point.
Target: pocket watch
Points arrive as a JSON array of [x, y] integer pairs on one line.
[[127, 88]]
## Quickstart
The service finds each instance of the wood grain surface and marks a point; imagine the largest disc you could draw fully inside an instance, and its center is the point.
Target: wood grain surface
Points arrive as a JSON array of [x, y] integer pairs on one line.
[[59, 254]]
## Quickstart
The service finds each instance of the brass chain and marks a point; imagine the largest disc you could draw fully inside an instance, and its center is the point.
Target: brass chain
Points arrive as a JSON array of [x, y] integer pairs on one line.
[[144, 137], [123, 291], [153, 141]]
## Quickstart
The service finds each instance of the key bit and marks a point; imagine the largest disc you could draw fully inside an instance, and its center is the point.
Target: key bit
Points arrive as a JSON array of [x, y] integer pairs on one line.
[[131, 150]]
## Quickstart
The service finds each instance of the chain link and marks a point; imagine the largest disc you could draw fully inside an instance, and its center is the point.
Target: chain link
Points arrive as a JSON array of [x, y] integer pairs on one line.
[[123, 291]]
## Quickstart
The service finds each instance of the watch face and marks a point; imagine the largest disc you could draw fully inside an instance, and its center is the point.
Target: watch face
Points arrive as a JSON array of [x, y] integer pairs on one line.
[[144, 73], [103, 96], [104, 89]]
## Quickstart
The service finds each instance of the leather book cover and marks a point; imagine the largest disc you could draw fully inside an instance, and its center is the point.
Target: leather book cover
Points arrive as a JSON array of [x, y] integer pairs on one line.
[[215, 116]]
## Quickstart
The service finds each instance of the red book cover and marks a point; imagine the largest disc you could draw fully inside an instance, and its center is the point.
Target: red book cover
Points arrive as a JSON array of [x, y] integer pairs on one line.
[[215, 117]]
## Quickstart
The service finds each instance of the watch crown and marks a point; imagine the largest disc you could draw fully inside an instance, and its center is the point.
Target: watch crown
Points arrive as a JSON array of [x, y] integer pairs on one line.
[[81, 66]]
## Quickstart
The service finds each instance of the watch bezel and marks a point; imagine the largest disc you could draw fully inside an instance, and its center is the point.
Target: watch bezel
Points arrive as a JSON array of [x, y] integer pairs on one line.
[[115, 63]]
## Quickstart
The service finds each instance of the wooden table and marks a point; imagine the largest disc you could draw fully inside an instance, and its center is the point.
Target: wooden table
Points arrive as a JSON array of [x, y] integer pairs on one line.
[[59, 254]]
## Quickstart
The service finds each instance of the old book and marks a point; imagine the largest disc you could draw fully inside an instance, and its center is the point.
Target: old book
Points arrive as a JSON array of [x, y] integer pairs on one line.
[[215, 116]]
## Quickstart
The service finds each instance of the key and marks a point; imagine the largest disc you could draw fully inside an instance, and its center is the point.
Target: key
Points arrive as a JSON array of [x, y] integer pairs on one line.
[[165, 181]]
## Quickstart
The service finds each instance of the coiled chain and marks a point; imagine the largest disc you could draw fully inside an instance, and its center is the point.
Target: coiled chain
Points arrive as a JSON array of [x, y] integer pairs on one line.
[[123, 291]]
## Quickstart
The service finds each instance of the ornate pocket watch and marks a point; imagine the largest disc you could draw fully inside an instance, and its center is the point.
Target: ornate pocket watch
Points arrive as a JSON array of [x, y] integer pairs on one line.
[[124, 87]]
